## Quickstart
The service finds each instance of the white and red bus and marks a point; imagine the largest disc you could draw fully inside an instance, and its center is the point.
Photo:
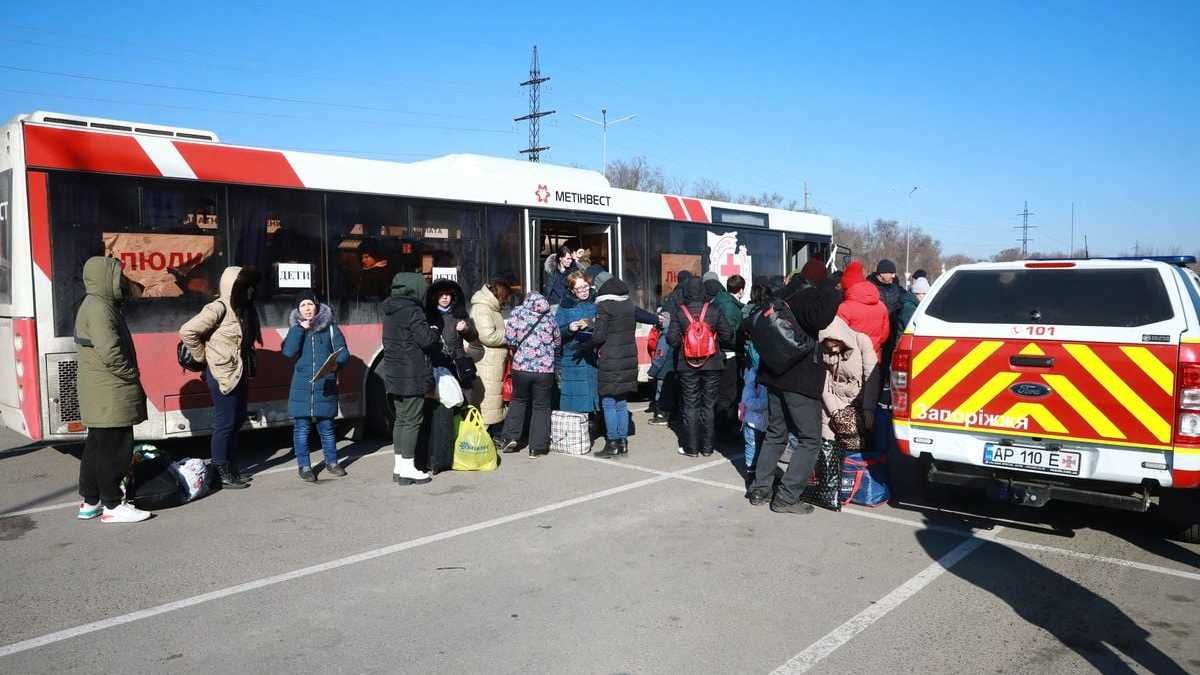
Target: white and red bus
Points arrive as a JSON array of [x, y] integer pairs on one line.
[[177, 206]]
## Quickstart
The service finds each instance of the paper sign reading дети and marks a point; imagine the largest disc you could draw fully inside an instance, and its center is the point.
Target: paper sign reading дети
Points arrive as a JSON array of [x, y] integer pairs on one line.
[[295, 275]]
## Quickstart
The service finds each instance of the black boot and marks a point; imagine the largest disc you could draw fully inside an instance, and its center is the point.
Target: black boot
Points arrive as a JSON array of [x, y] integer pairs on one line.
[[229, 478], [610, 449], [623, 446]]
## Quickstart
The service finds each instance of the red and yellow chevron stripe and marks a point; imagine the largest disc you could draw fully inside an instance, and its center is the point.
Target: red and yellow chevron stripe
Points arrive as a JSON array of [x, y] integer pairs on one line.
[[1111, 393]]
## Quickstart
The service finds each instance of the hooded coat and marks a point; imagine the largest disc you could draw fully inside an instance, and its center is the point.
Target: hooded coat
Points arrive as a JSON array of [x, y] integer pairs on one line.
[[693, 298], [489, 323], [852, 377], [615, 340], [577, 361], [215, 336], [310, 348], [863, 312], [408, 340], [110, 389], [814, 307], [555, 288], [728, 305], [454, 345], [533, 333]]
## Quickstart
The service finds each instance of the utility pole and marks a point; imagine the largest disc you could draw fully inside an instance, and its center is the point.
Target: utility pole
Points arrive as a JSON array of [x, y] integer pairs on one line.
[[1025, 227], [1071, 253], [807, 194], [534, 83], [604, 124], [908, 237]]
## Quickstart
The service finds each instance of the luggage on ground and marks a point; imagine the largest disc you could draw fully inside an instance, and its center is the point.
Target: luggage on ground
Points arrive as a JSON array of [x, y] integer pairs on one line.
[[474, 449], [569, 433], [825, 483], [864, 479]]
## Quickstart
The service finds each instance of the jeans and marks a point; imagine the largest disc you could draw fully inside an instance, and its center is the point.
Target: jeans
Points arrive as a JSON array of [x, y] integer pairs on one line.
[[532, 396], [229, 414], [301, 428], [754, 440], [107, 456], [406, 429], [616, 417], [699, 389], [796, 414]]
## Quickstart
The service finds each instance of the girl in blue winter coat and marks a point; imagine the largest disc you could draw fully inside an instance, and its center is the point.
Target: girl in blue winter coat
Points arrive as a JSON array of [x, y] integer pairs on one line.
[[311, 338], [753, 409]]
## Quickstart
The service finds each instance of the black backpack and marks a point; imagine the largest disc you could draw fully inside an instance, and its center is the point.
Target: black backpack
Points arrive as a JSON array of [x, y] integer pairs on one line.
[[778, 337]]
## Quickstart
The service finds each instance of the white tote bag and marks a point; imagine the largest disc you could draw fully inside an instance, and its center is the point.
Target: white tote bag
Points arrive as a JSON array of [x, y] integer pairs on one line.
[[449, 392]]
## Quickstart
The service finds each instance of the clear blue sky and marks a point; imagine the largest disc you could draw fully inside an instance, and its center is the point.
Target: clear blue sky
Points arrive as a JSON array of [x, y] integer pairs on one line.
[[983, 106]]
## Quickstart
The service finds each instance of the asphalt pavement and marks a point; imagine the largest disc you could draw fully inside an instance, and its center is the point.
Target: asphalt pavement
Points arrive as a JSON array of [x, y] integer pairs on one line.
[[654, 563]]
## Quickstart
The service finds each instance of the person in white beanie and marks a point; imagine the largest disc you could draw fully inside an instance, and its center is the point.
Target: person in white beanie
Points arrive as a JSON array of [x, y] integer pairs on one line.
[[920, 286]]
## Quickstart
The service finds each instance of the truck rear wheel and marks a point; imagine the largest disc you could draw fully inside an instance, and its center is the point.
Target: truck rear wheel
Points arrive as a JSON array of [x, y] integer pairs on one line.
[[1180, 510]]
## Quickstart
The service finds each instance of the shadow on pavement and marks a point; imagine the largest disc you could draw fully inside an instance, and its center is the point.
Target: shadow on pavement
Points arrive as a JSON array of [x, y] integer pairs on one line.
[[1084, 622]]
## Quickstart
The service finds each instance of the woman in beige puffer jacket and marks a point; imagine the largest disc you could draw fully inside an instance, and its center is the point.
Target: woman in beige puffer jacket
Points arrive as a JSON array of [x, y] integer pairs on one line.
[[851, 374], [489, 372]]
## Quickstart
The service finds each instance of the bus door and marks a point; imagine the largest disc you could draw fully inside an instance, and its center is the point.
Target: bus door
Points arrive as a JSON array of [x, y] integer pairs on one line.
[[592, 234]]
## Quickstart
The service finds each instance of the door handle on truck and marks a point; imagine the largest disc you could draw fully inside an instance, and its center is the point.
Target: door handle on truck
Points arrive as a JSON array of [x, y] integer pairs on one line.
[[1019, 361]]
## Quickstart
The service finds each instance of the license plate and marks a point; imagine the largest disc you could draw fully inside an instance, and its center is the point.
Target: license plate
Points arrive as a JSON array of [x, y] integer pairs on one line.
[[1064, 462]]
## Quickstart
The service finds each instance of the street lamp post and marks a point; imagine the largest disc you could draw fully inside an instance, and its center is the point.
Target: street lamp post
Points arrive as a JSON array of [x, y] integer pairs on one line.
[[604, 124], [908, 236]]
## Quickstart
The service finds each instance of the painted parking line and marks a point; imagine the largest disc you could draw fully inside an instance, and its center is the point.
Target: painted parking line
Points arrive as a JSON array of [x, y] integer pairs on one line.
[[112, 622], [946, 529]]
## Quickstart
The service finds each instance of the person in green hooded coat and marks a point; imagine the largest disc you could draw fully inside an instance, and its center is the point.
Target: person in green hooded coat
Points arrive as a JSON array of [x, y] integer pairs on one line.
[[111, 398]]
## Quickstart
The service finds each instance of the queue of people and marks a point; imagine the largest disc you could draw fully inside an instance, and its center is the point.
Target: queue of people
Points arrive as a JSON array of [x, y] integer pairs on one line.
[[804, 363]]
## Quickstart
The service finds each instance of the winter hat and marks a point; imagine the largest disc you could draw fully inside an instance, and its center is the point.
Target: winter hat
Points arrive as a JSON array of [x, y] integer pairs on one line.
[[919, 274], [711, 276], [885, 266], [920, 285], [307, 295], [814, 271], [854, 275]]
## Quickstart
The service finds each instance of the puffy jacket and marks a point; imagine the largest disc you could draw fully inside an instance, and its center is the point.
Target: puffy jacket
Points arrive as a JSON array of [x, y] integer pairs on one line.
[[863, 312], [214, 336], [852, 377], [693, 298], [754, 402], [454, 344], [533, 333], [615, 340], [814, 308], [577, 360], [110, 388], [489, 323], [311, 348], [407, 339]]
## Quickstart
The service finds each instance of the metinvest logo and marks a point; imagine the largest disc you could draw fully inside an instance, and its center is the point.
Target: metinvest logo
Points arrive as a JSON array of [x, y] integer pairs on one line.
[[542, 194]]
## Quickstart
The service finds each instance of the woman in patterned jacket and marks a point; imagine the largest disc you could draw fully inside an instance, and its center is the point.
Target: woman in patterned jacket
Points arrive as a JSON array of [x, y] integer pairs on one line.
[[533, 334]]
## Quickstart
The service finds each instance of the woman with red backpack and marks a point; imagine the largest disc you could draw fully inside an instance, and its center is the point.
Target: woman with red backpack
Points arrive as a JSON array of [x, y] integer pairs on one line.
[[698, 333]]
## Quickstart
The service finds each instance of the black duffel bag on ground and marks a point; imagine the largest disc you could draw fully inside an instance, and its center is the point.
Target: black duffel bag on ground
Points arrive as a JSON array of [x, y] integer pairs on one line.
[[154, 485]]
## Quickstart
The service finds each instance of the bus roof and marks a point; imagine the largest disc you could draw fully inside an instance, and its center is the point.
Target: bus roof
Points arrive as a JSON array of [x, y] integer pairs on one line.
[[73, 142]]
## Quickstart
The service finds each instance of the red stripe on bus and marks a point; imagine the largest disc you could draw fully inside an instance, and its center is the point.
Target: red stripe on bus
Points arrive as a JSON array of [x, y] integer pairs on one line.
[[238, 165], [29, 392], [695, 210], [39, 221], [676, 209], [86, 151]]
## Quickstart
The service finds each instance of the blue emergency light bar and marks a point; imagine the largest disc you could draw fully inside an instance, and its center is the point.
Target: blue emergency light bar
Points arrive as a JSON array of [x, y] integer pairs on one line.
[[1180, 260]]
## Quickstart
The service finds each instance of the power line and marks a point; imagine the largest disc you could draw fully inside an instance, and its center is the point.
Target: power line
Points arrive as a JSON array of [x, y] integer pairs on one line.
[[535, 81], [252, 113], [218, 92]]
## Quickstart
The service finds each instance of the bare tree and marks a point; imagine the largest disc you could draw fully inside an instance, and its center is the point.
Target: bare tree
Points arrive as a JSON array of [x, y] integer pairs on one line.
[[1007, 255], [636, 174], [706, 188]]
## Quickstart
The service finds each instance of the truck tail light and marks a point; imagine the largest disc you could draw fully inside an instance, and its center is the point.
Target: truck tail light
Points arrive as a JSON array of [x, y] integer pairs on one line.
[[1187, 422], [901, 369]]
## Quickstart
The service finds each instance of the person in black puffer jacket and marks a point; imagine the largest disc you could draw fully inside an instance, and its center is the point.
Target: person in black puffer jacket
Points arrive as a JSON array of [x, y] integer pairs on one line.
[[446, 311], [617, 362], [794, 396], [698, 383], [407, 344]]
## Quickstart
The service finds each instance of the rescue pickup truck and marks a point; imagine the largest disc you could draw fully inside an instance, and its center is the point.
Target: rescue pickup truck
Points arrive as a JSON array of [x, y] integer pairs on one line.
[[1074, 380]]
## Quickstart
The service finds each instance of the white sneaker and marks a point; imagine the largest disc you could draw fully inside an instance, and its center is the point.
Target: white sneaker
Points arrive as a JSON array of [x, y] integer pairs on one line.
[[88, 511], [124, 513]]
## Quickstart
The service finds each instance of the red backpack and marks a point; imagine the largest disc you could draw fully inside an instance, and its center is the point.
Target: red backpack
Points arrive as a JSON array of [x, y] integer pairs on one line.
[[699, 341]]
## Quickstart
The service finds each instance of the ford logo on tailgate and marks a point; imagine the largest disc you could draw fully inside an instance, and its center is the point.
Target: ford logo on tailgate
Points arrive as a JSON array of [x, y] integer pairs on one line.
[[1030, 389]]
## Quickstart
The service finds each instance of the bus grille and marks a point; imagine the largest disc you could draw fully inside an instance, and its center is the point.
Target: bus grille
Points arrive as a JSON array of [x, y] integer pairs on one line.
[[64, 391]]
